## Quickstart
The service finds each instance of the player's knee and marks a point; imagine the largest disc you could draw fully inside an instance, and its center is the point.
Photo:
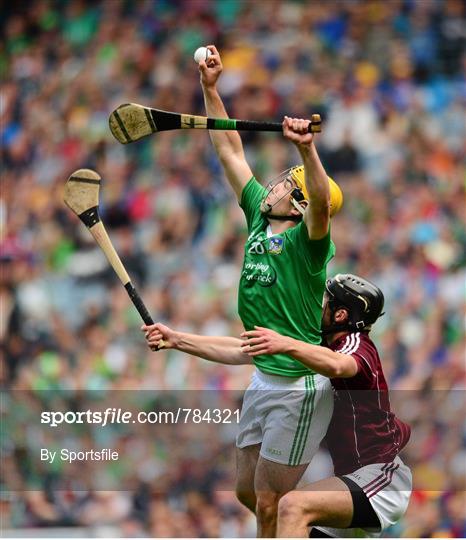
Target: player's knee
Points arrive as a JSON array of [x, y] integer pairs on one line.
[[291, 509], [267, 504]]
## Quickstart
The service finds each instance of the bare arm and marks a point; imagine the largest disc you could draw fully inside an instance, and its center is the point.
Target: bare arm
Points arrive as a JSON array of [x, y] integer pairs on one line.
[[322, 360], [317, 214], [227, 144], [222, 350]]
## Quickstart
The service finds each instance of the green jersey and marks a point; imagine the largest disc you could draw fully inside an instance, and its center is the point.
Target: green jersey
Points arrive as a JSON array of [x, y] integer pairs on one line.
[[282, 282]]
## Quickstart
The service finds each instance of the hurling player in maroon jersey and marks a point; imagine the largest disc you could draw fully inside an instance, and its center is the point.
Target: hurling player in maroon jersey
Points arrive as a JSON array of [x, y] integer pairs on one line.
[[371, 487]]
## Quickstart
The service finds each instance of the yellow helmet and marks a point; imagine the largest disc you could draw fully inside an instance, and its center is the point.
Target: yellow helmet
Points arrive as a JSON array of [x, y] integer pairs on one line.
[[336, 195]]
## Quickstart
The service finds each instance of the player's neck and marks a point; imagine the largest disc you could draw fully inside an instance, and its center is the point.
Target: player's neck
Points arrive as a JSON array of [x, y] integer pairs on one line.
[[333, 337], [278, 226]]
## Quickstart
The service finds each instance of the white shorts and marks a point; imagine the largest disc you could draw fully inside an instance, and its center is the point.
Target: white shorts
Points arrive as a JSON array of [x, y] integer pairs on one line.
[[388, 487], [288, 416]]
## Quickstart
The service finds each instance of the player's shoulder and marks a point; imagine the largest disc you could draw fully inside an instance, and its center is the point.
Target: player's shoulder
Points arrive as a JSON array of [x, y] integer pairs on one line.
[[360, 346], [355, 343], [252, 188], [251, 197], [298, 235]]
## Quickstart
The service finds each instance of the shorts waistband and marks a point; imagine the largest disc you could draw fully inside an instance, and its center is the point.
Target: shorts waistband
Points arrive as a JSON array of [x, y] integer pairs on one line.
[[279, 379]]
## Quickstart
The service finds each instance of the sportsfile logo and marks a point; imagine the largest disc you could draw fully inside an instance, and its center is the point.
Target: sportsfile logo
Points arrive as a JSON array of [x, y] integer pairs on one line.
[[113, 415]]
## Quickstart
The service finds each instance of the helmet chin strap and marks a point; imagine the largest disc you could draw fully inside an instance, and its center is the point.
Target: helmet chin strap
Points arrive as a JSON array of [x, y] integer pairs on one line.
[[298, 207], [333, 328], [284, 218]]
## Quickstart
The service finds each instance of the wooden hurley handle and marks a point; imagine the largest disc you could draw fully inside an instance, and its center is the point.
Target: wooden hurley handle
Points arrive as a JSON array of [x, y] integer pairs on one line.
[[101, 237]]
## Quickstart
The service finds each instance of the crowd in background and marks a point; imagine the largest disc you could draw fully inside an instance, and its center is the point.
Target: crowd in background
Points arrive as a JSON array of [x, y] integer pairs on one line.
[[388, 80]]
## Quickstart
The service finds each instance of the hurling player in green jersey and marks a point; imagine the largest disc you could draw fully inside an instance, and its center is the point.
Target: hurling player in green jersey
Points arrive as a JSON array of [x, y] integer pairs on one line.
[[287, 407]]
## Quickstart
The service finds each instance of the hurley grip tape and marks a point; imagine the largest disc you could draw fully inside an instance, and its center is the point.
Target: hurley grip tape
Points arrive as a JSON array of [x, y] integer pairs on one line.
[[139, 304]]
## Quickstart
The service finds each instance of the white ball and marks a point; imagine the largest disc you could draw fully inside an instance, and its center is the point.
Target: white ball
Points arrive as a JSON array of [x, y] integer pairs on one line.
[[201, 54]]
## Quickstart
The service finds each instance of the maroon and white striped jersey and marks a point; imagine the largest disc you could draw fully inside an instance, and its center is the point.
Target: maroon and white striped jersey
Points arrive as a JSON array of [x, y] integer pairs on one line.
[[363, 430]]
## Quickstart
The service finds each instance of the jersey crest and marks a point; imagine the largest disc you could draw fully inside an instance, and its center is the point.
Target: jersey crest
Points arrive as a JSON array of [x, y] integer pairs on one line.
[[275, 245]]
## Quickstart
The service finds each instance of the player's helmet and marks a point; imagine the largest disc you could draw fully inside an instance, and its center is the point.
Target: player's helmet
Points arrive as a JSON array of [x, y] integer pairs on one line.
[[298, 192], [363, 299], [336, 196]]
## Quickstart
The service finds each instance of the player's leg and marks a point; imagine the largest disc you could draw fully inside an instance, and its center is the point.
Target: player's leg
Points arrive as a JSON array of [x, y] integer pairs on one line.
[[248, 443], [380, 494], [368, 500], [246, 462], [297, 416], [272, 481], [327, 502]]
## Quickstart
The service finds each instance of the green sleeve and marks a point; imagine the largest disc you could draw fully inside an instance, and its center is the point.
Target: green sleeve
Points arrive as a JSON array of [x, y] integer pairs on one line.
[[251, 198], [318, 253]]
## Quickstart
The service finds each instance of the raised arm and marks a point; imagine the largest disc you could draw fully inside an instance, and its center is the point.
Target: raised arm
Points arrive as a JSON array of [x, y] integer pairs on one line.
[[320, 359], [222, 350], [227, 144], [317, 214]]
